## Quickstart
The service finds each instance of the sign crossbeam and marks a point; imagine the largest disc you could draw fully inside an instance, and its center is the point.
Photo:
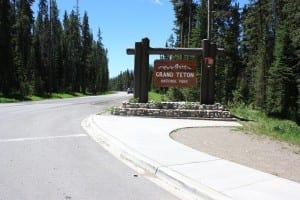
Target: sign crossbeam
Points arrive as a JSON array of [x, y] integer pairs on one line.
[[172, 51], [169, 51]]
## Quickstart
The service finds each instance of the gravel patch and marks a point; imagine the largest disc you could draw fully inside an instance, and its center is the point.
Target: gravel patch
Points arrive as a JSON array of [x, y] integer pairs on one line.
[[256, 151]]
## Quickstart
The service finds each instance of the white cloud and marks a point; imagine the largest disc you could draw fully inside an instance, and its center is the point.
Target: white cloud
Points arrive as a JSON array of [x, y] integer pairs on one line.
[[158, 2]]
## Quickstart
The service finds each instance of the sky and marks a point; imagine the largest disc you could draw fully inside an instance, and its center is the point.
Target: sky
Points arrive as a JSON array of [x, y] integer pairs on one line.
[[124, 22]]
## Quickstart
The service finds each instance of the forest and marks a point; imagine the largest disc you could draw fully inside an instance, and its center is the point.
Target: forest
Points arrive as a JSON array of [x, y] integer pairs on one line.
[[44, 54], [260, 65]]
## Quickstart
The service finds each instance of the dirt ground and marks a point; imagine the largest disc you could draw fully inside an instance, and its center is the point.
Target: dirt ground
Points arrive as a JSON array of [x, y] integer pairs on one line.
[[259, 152]]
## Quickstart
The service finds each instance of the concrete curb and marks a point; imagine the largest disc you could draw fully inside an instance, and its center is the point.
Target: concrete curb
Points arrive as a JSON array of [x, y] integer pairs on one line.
[[117, 147], [141, 162]]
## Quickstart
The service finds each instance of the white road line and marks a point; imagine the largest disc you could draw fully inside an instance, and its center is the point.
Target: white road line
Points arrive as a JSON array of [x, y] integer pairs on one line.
[[41, 138]]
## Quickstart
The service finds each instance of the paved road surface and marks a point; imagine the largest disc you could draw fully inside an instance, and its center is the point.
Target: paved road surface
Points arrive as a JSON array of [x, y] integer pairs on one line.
[[45, 154]]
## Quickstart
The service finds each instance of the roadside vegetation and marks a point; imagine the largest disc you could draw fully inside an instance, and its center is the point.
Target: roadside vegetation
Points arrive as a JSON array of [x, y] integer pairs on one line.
[[19, 98], [45, 55], [256, 122], [157, 97]]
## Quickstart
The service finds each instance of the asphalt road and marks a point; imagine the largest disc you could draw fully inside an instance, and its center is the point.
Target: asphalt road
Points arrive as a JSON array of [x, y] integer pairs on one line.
[[45, 154]]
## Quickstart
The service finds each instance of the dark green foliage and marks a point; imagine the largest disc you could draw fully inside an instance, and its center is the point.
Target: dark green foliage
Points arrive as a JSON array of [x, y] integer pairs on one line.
[[43, 49], [261, 61], [22, 39], [270, 64], [184, 20], [175, 94], [87, 42], [200, 26], [227, 36], [56, 48], [282, 86], [41, 56], [7, 74]]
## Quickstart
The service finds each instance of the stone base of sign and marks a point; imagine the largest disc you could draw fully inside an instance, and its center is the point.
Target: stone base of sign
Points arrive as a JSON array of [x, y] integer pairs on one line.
[[178, 110]]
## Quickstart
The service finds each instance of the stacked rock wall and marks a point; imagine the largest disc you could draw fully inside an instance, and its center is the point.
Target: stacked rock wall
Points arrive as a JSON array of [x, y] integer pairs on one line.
[[182, 110]]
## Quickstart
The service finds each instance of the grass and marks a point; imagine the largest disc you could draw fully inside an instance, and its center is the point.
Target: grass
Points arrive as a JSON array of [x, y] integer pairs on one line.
[[13, 98], [157, 97], [7, 100], [19, 98], [260, 123]]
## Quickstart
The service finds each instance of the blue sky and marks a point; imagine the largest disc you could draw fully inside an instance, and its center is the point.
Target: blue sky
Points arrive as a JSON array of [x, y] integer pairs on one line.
[[124, 22]]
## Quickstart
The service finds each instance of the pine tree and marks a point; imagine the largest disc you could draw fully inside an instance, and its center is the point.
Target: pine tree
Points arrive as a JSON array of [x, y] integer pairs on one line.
[[102, 72], [199, 30], [43, 49], [56, 48], [7, 76], [36, 61], [86, 52], [23, 42], [73, 43], [257, 51], [227, 33], [285, 68], [92, 72], [66, 63], [290, 11], [282, 88], [184, 12], [105, 76]]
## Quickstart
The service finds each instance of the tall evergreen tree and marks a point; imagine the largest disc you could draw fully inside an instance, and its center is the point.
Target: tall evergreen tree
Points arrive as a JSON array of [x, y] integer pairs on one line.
[[73, 44], [282, 88], [37, 64], [199, 30], [7, 75], [66, 63], [56, 48], [227, 33], [258, 43], [291, 15], [43, 49], [86, 52], [92, 72], [23, 41], [102, 72], [184, 20]]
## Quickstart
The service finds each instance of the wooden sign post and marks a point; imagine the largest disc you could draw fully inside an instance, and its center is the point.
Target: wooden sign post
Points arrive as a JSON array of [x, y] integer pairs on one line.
[[207, 93], [141, 70]]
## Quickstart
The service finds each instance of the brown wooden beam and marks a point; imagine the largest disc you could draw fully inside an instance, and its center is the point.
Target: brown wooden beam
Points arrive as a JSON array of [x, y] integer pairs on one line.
[[144, 71], [172, 51], [137, 69], [169, 51]]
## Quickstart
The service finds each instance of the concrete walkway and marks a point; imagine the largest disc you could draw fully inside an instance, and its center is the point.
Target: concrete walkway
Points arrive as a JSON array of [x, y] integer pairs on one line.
[[145, 143]]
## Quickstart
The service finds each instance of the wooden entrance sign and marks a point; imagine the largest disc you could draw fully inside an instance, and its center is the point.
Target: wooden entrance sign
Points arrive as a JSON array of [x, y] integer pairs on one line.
[[141, 54], [174, 73]]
